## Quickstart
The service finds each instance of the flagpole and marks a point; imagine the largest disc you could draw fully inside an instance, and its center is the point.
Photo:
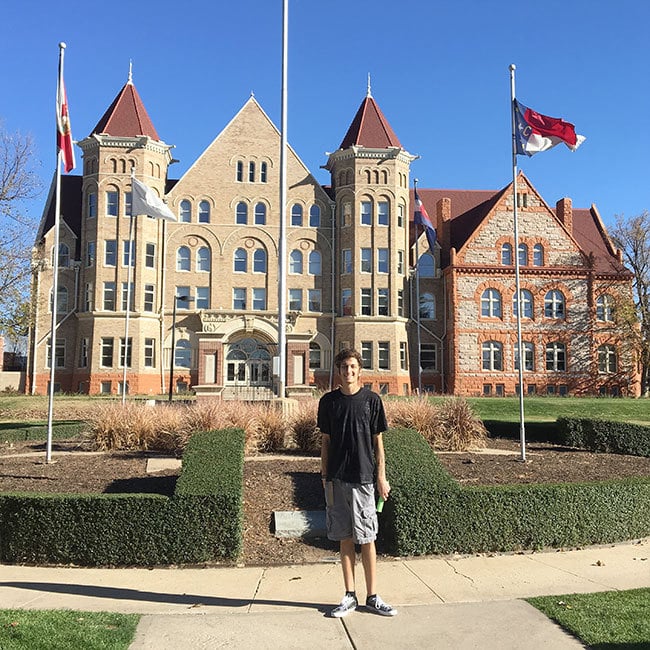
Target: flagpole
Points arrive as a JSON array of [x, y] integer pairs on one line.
[[282, 254], [417, 296], [522, 356], [128, 296]]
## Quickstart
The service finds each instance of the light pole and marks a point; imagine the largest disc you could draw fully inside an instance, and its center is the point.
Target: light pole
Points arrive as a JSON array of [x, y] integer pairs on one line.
[[173, 352]]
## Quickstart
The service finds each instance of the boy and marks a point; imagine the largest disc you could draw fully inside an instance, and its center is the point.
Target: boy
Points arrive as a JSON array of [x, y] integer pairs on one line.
[[351, 420]]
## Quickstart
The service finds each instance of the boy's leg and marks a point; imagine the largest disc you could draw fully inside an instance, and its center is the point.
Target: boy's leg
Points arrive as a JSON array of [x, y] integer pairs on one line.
[[348, 558], [369, 560]]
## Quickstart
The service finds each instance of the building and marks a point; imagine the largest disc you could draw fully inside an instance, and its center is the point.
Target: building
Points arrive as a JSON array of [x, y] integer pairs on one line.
[[209, 282]]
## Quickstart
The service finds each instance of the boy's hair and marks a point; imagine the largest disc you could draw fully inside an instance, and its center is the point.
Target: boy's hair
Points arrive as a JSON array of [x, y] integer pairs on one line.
[[348, 353]]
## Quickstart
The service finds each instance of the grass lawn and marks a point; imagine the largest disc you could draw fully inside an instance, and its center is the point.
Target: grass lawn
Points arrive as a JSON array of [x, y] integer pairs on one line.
[[56, 629], [610, 620]]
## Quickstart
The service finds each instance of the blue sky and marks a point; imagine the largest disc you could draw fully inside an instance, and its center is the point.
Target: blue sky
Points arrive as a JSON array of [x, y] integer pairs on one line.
[[439, 72]]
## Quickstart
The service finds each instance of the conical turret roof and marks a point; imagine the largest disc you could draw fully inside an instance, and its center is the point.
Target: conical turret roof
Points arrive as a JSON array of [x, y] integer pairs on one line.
[[370, 128]]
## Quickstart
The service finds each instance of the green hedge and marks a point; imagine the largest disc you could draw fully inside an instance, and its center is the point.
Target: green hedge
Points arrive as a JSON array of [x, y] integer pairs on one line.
[[61, 430], [605, 436], [201, 522], [429, 512]]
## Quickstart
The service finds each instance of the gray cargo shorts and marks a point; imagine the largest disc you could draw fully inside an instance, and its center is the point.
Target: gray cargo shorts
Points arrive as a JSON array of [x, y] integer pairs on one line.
[[351, 511]]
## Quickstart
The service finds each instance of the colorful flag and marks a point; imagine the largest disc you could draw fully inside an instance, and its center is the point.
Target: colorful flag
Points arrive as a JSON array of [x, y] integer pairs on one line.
[[422, 218], [145, 201], [536, 132], [63, 131]]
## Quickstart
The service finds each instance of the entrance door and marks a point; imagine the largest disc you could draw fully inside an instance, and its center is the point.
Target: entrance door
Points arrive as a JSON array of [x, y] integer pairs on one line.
[[248, 363]]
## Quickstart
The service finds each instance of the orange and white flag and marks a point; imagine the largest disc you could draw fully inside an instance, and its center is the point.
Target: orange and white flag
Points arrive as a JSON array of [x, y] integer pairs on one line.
[[63, 131]]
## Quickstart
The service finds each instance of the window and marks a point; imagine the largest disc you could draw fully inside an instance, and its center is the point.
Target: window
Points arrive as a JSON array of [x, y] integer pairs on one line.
[[59, 354], [538, 255], [295, 299], [88, 296], [185, 215], [263, 172], [183, 354], [259, 298], [427, 305], [556, 356], [239, 298], [382, 302], [506, 254], [529, 356], [428, 356], [241, 213], [366, 355], [150, 255], [90, 253], [129, 347], [251, 172], [260, 214], [314, 263], [202, 299], [492, 355], [607, 359], [128, 204], [92, 205], [183, 262], [401, 211], [605, 308], [296, 214], [554, 304], [383, 213], [182, 297], [128, 253], [366, 213], [240, 261], [400, 302], [400, 262], [240, 171], [149, 297], [295, 262], [149, 353], [383, 355], [314, 300], [346, 302], [366, 260], [491, 304], [112, 203], [64, 256], [109, 296], [83, 353], [259, 261], [203, 259], [426, 266], [107, 352], [347, 261], [105, 388], [314, 356], [61, 300], [126, 294], [382, 260], [523, 255], [526, 299], [366, 302], [402, 355], [204, 212], [314, 216], [110, 252]]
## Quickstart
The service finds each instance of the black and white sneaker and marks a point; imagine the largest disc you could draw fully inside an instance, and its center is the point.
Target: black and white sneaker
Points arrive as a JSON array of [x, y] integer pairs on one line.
[[376, 605], [347, 605]]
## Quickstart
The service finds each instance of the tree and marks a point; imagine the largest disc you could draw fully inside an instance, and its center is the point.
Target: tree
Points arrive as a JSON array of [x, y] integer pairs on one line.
[[632, 236]]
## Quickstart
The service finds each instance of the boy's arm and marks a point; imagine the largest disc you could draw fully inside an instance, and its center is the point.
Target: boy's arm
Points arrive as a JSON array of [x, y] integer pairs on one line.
[[324, 454], [383, 486]]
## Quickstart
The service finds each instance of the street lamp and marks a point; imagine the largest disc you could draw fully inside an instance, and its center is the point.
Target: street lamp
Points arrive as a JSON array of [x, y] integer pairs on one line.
[[173, 356]]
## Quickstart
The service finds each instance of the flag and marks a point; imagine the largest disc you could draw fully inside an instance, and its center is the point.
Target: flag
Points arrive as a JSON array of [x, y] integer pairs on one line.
[[422, 218], [145, 201], [63, 132], [536, 132]]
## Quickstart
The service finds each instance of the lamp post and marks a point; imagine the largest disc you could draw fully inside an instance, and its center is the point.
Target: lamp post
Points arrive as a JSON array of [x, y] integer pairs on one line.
[[173, 352]]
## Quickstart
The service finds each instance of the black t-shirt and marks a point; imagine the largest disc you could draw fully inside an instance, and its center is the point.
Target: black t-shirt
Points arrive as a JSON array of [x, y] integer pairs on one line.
[[351, 422]]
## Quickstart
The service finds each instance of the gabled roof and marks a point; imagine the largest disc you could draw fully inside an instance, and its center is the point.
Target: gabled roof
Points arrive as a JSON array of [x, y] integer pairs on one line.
[[71, 197], [370, 128], [126, 116]]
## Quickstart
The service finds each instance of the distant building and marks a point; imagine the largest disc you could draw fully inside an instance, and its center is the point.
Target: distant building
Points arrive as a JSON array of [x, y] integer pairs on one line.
[[351, 273]]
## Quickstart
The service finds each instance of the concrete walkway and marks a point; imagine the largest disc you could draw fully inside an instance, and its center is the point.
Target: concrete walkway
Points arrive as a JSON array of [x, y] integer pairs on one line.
[[451, 602]]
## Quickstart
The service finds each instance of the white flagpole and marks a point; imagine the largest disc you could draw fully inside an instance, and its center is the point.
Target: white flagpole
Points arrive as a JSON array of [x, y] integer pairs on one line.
[[282, 253], [417, 296], [128, 296], [522, 355]]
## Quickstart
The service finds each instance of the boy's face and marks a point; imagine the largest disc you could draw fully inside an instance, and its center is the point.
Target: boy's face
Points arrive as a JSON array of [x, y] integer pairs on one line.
[[349, 372]]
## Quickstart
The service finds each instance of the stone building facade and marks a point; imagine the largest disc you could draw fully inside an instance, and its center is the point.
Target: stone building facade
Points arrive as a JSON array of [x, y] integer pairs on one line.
[[209, 281]]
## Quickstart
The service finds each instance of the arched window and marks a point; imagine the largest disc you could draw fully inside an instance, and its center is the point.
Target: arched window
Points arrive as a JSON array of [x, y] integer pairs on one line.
[[554, 304], [605, 308], [492, 355], [607, 359], [427, 266], [315, 356], [315, 263], [295, 262], [241, 261], [491, 303], [538, 255], [203, 259], [529, 356], [263, 172], [523, 255], [186, 211], [241, 213], [314, 216], [506, 254], [296, 214], [556, 356], [183, 259], [526, 304], [427, 306], [259, 261], [251, 172], [204, 212], [240, 171], [183, 354], [260, 214], [64, 256]]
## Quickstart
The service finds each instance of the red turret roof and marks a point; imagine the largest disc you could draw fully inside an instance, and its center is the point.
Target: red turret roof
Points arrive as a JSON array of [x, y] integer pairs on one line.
[[370, 128], [127, 116]]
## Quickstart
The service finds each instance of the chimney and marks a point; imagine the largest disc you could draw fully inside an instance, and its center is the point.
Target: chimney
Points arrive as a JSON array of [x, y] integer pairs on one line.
[[443, 217], [565, 213]]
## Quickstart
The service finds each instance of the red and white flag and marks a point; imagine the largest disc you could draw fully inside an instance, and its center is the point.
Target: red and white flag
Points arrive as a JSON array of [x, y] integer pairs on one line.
[[63, 131]]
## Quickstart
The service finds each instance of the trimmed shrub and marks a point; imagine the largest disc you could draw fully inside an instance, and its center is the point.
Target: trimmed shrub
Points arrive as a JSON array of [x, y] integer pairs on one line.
[[605, 436], [61, 430]]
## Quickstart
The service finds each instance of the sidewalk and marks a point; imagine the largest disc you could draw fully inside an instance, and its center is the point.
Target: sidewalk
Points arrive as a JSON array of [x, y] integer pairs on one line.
[[444, 602]]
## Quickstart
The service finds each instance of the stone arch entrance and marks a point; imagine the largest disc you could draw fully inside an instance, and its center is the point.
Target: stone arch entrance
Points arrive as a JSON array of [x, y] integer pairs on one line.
[[248, 363]]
